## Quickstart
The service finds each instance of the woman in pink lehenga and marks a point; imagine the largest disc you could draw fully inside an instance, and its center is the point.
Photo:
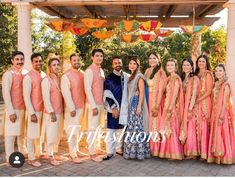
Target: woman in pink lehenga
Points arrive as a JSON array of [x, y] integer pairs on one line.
[[222, 139], [204, 103], [189, 128], [170, 146], [156, 79]]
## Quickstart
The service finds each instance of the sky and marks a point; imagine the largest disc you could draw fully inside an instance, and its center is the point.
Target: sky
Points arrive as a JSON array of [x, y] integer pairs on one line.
[[223, 19]]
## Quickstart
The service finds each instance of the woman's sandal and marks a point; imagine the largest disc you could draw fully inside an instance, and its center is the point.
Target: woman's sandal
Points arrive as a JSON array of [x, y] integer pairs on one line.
[[54, 162], [34, 163], [77, 160]]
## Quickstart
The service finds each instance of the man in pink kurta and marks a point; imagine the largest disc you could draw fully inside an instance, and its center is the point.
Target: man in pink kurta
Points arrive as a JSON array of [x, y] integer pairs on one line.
[[53, 110], [34, 104], [12, 92], [94, 88], [72, 87]]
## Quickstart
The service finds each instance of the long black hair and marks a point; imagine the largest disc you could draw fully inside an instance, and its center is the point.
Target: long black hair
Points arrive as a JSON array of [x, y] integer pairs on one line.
[[191, 74], [157, 67], [208, 67], [137, 61], [222, 66]]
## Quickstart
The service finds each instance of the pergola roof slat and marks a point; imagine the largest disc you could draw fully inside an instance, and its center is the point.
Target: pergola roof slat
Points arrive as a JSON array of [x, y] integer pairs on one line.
[[132, 9]]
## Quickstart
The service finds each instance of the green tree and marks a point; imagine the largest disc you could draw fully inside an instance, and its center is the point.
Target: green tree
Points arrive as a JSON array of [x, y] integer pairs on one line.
[[8, 35], [214, 41], [44, 39], [85, 44], [177, 46]]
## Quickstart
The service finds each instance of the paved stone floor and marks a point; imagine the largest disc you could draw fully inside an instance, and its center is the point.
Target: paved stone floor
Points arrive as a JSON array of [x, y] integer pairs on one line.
[[120, 167]]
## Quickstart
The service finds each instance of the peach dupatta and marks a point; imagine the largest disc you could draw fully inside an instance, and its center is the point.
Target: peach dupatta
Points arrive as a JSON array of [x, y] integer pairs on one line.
[[179, 105], [187, 100], [220, 145]]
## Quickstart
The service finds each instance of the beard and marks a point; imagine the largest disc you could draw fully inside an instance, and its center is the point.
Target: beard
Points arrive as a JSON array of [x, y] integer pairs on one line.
[[76, 66], [118, 68], [20, 64]]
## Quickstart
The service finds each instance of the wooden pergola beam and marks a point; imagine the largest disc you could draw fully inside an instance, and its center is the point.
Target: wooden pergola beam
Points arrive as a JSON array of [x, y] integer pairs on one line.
[[134, 9], [99, 11], [167, 22], [117, 2], [170, 10], [89, 10], [49, 10], [163, 11], [205, 12], [57, 11]]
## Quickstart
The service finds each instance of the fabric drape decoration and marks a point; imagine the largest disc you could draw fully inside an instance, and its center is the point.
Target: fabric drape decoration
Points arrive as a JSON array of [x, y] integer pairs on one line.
[[103, 35], [147, 37], [56, 25], [129, 38], [163, 33], [93, 23], [79, 31], [128, 26], [190, 30], [150, 25]]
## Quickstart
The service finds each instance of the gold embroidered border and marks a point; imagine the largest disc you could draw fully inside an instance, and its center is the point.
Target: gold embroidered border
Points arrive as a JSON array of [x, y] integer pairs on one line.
[[171, 156]]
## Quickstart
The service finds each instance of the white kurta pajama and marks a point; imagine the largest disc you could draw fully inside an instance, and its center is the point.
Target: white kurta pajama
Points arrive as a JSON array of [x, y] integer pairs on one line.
[[94, 81], [72, 89], [10, 82], [52, 99], [33, 129]]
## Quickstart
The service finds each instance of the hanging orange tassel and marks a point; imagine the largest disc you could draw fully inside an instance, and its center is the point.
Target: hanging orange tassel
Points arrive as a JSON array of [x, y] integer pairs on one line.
[[56, 25], [147, 37], [163, 33], [79, 31], [68, 26], [129, 38], [126, 25], [93, 23], [103, 34], [150, 25]]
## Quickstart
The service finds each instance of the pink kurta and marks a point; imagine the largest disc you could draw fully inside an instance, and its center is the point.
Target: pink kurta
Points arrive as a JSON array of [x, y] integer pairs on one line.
[[36, 92], [171, 147], [13, 96], [55, 96], [155, 86], [204, 114], [17, 89], [76, 79], [222, 139], [97, 84], [190, 123]]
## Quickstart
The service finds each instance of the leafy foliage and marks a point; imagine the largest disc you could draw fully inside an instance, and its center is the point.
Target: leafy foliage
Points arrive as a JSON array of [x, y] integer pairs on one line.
[[8, 35], [45, 40], [215, 43]]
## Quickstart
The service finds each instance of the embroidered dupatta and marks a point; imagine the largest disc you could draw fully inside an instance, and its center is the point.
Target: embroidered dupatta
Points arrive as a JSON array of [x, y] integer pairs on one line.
[[133, 90], [187, 101], [179, 105], [160, 82], [218, 142]]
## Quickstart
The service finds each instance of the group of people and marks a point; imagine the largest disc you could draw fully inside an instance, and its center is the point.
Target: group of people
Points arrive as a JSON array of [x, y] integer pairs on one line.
[[191, 114], [192, 111]]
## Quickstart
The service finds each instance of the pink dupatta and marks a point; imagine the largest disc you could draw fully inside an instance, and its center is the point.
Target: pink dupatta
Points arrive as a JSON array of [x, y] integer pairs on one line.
[[218, 142]]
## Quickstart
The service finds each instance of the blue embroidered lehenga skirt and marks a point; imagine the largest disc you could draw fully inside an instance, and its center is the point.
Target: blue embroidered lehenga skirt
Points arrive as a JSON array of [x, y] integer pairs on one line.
[[135, 147]]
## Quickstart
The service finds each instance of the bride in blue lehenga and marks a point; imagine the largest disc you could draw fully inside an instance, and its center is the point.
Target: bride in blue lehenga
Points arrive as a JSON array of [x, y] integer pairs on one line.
[[136, 144]]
